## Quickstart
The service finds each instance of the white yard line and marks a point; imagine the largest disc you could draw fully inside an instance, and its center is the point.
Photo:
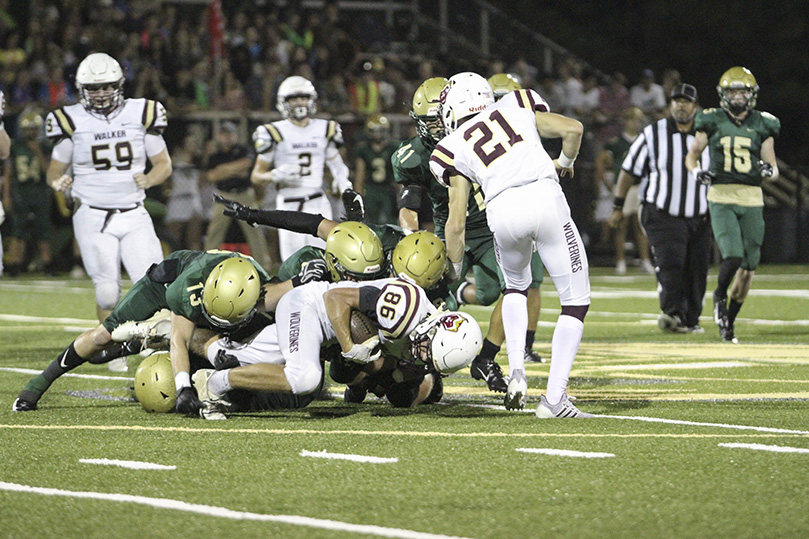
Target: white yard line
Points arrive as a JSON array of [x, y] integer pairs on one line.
[[70, 374], [131, 464], [761, 447], [223, 512], [564, 453], [698, 424], [341, 456]]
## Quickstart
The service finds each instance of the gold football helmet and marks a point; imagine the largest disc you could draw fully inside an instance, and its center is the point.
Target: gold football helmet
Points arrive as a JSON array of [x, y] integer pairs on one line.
[[31, 125], [230, 293], [425, 110], [378, 127], [354, 252], [420, 258], [737, 90], [154, 384], [503, 83]]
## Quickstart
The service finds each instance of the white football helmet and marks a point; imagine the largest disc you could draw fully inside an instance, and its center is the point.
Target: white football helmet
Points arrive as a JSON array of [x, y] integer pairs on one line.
[[100, 82], [447, 340], [465, 95], [296, 86]]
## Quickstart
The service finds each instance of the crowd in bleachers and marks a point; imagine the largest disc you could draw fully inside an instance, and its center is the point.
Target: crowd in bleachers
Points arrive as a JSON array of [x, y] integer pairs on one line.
[[169, 53]]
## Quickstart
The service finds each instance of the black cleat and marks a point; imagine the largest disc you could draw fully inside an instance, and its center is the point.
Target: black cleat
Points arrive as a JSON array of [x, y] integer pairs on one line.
[[532, 355], [720, 311], [728, 334], [355, 394], [22, 405], [489, 370]]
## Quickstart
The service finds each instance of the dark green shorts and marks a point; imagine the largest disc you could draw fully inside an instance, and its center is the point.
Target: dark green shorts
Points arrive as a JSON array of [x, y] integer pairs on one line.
[[145, 298], [738, 231]]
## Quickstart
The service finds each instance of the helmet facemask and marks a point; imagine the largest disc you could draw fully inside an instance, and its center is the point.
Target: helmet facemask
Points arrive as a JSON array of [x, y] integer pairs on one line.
[[100, 83], [737, 90], [465, 95], [425, 111], [296, 87]]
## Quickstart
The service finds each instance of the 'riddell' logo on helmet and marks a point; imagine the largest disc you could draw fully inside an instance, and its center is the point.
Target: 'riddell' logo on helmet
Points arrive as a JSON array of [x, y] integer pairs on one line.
[[477, 109], [452, 322]]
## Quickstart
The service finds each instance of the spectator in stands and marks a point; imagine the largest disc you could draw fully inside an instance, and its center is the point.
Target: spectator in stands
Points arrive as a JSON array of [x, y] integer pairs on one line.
[[364, 91], [229, 169], [55, 92], [184, 213], [613, 101], [552, 91], [671, 78], [649, 96]]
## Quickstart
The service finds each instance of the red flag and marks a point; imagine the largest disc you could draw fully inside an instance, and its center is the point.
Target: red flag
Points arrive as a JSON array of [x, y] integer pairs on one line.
[[216, 29]]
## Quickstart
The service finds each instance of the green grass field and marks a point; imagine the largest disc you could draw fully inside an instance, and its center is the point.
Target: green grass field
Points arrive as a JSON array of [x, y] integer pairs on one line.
[[695, 438]]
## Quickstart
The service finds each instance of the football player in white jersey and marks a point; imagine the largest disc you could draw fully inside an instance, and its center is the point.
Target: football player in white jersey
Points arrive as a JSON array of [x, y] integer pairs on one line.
[[106, 140], [5, 149], [286, 357], [292, 154], [499, 148]]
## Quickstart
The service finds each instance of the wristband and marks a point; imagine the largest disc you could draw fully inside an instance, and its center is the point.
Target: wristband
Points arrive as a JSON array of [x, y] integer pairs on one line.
[[565, 161], [181, 380], [618, 203], [458, 266]]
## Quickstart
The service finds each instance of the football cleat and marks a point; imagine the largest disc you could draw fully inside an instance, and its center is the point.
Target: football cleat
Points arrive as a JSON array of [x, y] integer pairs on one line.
[[355, 394], [517, 391], [154, 332], [670, 323], [489, 370], [728, 334], [563, 409], [23, 405], [212, 404], [533, 355], [720, 311], [118, 365]]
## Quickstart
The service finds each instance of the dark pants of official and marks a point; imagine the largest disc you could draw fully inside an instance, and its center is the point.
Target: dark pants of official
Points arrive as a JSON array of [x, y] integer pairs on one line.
[[681, 247]]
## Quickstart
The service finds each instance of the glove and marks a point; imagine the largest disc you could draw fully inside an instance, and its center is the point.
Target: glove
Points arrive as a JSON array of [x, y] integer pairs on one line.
[[765, 169], [188, 402], [364, 353], [237, 210], [354, 205], [705, 177], [453, 270], [286, 173], [312, 270], [62, 184]]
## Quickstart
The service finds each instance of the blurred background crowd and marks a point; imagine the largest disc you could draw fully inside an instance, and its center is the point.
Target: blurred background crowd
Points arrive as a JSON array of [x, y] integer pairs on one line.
[[210, 63]]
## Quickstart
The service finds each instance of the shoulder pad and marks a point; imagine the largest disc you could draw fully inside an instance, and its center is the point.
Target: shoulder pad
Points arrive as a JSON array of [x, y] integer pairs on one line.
[[529, 99], [154, 117], [59, 124], [265, 137]]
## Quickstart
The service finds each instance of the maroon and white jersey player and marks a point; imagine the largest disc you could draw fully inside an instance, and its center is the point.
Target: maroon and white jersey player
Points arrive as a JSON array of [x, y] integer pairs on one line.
[[498, 146]]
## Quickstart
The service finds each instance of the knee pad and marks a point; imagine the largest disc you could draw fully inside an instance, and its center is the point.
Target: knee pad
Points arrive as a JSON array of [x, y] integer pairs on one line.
[[107, 295], [303, 381]]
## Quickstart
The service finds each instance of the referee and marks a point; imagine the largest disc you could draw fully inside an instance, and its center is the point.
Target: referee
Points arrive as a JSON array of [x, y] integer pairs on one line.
[[674, 211]]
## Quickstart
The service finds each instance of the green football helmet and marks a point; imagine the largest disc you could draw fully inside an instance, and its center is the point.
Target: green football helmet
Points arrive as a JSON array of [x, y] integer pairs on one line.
[[420, 258], [503, 83], [354, 252], [230, 293], [737, 90], [154, 384], [425, 110]]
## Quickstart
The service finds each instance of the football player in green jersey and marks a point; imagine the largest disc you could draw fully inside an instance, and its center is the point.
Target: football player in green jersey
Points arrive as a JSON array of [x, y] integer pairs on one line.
[[373, 175], [27, 195], [742, 149], [411, 169], [219, 290]]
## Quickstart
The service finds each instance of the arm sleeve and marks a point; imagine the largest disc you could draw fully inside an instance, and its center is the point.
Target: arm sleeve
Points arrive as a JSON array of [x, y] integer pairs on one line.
[[368, 297], [338, 168]]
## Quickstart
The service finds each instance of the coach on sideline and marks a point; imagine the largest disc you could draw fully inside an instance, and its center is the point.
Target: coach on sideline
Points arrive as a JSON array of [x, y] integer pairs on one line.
[[674, 210]]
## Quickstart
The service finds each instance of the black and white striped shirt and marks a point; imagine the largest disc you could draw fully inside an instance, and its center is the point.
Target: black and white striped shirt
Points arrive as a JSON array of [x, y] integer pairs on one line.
[[657, 156]]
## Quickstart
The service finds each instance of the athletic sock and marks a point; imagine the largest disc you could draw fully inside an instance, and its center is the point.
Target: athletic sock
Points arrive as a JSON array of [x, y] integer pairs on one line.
[[733, 309], [727, 270], [564, 345], [515, 322], [488, 350], [67, 360], [218, 383], [529, 339]]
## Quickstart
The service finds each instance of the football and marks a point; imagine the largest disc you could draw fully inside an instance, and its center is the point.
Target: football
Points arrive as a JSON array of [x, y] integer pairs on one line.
[[362, 327]]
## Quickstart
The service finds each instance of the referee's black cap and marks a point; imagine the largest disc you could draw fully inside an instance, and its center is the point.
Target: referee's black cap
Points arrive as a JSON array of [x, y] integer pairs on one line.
[[684, 90]]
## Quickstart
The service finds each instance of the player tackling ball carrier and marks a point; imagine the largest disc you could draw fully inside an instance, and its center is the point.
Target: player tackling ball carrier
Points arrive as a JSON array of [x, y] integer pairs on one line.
[[498, 146]]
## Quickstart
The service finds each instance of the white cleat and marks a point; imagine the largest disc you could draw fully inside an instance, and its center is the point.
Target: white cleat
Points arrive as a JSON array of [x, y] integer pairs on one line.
[[118, 365], [563, 409], [212, 404], [517, 391], [154, 332]]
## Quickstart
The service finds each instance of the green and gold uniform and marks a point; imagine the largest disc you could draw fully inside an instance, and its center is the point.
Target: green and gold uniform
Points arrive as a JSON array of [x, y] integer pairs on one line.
[[176, 284], [380, 189], [411, 168], [735, 199], [30, 195]]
